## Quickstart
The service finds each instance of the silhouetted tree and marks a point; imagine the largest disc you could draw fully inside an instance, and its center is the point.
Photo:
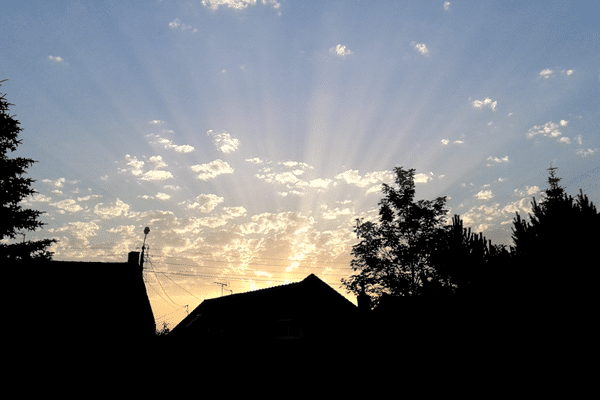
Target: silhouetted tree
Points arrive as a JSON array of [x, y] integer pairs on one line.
[[466, 262], [393, 255], [559, 242], [556, 259], [14, 187]]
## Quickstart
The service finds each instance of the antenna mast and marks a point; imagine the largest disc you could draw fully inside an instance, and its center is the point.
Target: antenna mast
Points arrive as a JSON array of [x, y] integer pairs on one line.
[[222, 284], [146, 232]]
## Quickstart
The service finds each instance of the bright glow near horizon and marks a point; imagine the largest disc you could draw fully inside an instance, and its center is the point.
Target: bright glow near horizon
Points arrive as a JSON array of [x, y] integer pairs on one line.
[[249, 135]]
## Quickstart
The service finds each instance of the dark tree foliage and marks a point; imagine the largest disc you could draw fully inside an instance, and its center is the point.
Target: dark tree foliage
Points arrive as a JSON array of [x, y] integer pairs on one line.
[[393, 256], [15, 187], [466, 262], [559, 243]]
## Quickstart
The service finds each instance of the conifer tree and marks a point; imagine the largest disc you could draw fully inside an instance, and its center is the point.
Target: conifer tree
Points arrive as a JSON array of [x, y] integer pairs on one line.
[[15, 187]]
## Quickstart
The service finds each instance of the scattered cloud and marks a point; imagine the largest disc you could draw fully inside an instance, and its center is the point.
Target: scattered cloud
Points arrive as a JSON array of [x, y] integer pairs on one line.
[[423, 178], [136, 168], [447, 5], [67, 205], [551, 130], [168, 145], [586, 152], [255, 160], [421, 48], [56, 59], [212, 169], [548, 73], [177, 24], [484, 195], [528, 191], [340, 51], [157, 122], [487, 102], [240, 4], [113, 210], [206, 202], [224, 142], [369, 179], [497, 160]]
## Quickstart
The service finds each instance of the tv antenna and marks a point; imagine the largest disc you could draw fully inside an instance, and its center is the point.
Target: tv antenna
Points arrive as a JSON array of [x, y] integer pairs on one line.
[[222, 285]]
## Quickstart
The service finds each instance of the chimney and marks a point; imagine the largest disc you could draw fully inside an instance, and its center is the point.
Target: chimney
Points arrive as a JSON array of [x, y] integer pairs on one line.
[[134, 258], [364, 301]]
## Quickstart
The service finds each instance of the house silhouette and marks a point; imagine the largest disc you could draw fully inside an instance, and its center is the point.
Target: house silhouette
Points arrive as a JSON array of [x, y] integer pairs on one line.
[[79, 308], [305, 311]]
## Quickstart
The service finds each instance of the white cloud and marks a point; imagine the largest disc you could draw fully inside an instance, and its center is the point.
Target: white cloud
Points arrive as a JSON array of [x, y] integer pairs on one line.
[[585, 153], [423, 178], [228, 214], [255, 160], [497, 160], [177, 24], [38, 197], [69, 205], [156, 175], [136, 167], [447, 5], [111, 210], [487, 102], [371, 178], [206, 202], [59, 182], [168, 144], [549, 129], [157, 122], [340, 51], [224, 141], [163, 196], [240, 4], [421, 48], [445, 142], [337, 212], [56, 59], [484, 195], [158, 162], [546, 73], [320, 183], [212, 169]]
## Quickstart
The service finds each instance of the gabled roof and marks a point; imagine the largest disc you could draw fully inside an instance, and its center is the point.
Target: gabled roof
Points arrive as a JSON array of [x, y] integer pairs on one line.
[[311, 298]]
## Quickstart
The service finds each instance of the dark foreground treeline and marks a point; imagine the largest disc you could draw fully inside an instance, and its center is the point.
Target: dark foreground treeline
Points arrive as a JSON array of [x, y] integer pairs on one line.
[[431, 293]]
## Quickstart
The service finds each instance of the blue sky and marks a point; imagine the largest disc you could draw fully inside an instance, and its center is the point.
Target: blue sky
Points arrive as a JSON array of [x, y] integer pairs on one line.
[[249, 135]]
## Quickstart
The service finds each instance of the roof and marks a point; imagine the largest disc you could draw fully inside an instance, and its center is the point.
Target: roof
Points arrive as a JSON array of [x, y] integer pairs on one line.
[[310, 298]]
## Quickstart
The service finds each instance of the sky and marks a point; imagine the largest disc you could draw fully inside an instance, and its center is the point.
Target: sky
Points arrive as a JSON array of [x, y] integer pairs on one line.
[[249, 135]]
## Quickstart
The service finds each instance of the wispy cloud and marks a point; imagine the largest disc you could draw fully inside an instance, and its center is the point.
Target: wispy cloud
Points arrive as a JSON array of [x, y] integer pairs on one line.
[[240, 4], [340, 51], [177, 24], [168, 144], [496, 160], [447, 5], [56, 59], [421, 48], [206, 202]]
